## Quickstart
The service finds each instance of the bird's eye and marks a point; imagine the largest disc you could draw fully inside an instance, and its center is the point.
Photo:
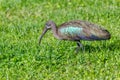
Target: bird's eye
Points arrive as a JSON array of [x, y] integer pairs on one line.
[[48, 24]]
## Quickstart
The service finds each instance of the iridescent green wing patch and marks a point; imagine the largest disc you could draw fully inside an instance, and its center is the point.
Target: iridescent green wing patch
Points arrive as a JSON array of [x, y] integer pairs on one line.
[[71, 30]]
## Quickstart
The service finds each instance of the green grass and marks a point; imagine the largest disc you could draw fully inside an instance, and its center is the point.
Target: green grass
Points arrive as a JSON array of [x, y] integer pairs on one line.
[[21, 58]]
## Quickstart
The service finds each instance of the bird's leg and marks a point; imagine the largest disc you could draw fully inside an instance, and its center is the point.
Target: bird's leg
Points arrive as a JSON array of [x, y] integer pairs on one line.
[[79, 45]]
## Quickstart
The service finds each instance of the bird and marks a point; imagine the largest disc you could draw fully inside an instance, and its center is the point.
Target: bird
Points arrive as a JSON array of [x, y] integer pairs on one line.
[[76, 30]]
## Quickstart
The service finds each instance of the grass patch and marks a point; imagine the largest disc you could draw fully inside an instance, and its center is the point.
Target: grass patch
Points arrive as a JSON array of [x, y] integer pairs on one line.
[[21, 23]]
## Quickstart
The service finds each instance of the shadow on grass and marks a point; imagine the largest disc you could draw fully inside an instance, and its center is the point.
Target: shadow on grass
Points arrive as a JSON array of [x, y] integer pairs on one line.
[[100, 47], [115, 45], [54, 58]]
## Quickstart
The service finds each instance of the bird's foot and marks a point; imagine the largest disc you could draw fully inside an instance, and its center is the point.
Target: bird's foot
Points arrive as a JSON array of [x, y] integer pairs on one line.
[[78, 49], [79, 46]]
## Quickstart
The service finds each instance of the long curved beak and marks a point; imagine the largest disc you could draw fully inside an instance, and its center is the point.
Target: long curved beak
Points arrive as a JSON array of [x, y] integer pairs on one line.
[[43, 33]]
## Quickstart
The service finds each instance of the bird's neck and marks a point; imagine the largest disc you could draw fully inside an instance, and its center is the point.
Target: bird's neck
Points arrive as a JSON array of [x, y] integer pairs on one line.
[[55, 32]]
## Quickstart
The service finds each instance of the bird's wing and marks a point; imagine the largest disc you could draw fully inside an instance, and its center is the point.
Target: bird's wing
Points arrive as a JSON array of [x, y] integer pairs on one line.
[[77, 30], [71, 32]]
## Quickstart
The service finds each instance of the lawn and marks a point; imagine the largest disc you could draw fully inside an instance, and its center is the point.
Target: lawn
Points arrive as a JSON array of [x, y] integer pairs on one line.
[[22, 22]]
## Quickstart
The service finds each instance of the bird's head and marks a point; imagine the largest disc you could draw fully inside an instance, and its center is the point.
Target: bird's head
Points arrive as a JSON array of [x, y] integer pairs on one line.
[[48, 26]]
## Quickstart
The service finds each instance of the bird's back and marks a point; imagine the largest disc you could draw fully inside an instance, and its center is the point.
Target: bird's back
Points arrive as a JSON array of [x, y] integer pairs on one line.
[[82, 30]]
